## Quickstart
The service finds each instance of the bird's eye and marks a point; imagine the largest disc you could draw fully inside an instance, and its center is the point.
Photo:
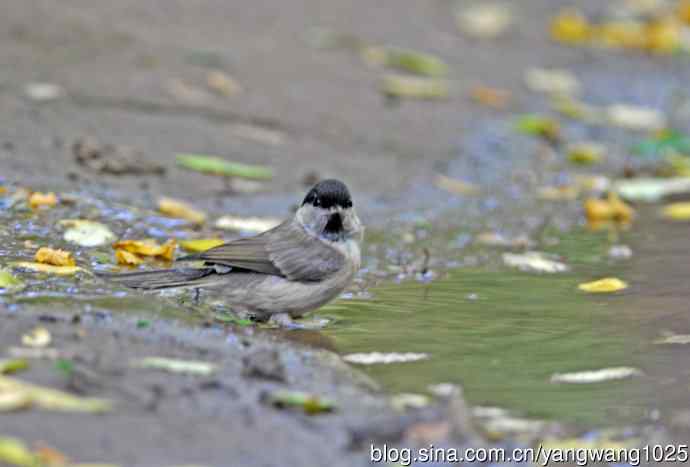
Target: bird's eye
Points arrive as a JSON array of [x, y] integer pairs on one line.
[[317, 201]]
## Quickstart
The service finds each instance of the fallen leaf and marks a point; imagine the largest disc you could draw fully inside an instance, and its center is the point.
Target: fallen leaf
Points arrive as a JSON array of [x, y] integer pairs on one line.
[[455, 186], [222, 84], [414, 87], [47, 268], [385, 358], [651, 189], [8, 366], [491, 97], [180, 209], [86, 233], [9, 283], [191, 367], [636, 118], [15, 453], [606, 285], [537, 125], [3, 190], [485, 20], [405, 401], [311, 403], [677, 211], [11, 401], [247, 224], [148, 247], [201, 244], [610, 209], [534, 261], [217, 166], [620, 252], [38, 200], [596, 376], [43, 92], [552, 81], [406, 60], [663, 35], [674, 339], [126, 258], [570, 27], [52, 399], [576, 109], [54, 257], [585, 153], [38, 337]]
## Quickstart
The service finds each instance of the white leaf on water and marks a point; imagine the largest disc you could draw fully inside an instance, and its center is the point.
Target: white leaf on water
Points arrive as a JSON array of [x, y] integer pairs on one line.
[[373, 358], [596, 376]]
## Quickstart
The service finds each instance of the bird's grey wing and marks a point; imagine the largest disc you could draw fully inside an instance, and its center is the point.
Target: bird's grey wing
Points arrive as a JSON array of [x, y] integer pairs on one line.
[[301, 256], [245, 253], [286, 250]]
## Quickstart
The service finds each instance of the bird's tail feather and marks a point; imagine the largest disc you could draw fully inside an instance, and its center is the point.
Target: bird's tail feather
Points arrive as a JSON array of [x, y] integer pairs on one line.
[[160, 279]]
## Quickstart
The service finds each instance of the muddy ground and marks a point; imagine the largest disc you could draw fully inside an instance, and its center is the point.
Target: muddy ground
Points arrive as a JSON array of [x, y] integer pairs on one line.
[[303, 111]]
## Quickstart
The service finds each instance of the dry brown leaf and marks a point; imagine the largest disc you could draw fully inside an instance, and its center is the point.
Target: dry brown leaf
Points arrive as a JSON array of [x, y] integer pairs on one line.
[[610, 209], [148, 248], [38, 200], [54, 257], [126, 258]]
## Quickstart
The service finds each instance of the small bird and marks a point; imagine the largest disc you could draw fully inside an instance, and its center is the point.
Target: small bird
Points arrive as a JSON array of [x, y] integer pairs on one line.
[[282, 273]]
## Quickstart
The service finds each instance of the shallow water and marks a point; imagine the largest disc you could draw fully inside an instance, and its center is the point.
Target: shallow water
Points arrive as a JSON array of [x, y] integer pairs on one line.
[[498, 332], [501, 333]]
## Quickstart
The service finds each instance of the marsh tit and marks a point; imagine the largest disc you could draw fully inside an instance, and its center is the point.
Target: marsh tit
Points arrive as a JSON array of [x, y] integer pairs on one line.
[[282, 273]]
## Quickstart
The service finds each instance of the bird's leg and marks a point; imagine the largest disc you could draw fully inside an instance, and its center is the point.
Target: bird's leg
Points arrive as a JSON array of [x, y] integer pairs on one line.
[[197, 295], [283, 320]]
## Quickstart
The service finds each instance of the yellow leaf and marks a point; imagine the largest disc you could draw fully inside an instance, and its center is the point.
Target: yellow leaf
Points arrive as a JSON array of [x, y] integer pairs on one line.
[[3, 190], [37, 338], [585, 153], [611, 209], [126, 258], [202, 244], [222, 83], [570, 27], [148, 248], [38, 199], [54, 257], [677, 211], [664, 35], [48, 268], [606, 285], [174, 208], [52, 399], [15, 452]]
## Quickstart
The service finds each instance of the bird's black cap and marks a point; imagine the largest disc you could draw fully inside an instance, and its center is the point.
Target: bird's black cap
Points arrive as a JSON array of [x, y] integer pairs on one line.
[[329, 193]]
